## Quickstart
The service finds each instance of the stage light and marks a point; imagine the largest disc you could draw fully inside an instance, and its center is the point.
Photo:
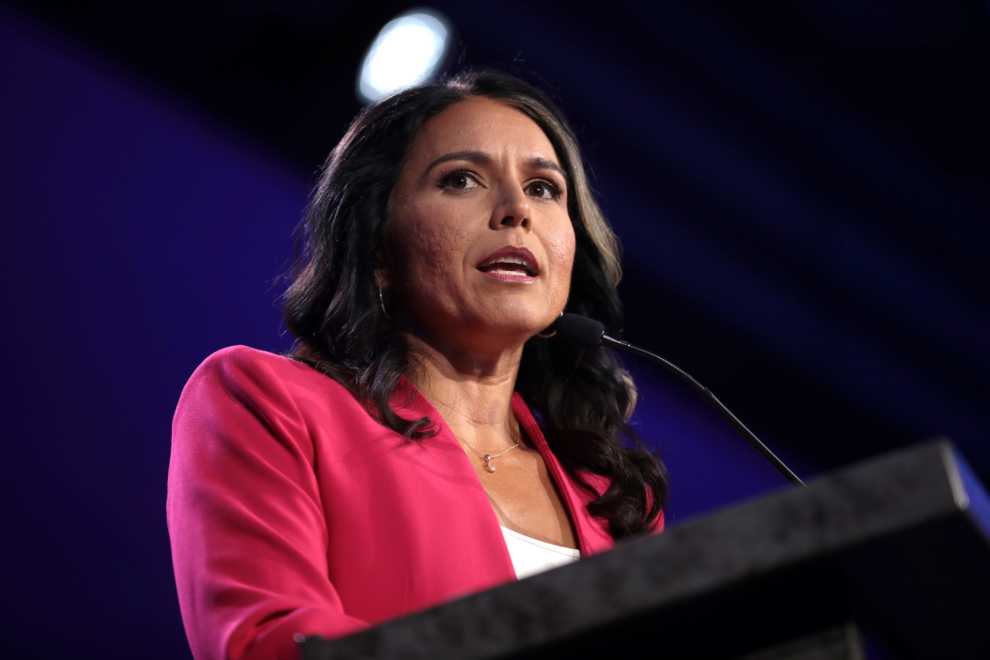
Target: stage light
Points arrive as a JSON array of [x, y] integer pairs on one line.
[[408, 50]]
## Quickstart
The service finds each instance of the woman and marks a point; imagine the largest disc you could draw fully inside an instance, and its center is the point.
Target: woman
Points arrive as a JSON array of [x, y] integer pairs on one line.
[[428, 438]]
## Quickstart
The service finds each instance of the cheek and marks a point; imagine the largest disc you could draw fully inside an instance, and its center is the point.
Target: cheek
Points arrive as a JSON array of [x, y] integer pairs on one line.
[[427, 247], [560, 246]]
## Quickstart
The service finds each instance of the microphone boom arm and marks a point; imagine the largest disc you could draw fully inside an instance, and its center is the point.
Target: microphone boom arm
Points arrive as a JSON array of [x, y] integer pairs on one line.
[[705, 394]]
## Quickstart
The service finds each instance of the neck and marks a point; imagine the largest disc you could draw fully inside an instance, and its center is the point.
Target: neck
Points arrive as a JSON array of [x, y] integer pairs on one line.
[[473, 393]]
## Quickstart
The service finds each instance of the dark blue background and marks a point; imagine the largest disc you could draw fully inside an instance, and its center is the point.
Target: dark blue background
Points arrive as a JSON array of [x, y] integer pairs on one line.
[[801, 190]]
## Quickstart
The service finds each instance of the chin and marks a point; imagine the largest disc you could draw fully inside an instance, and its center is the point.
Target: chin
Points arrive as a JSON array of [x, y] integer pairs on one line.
[[516, 324]]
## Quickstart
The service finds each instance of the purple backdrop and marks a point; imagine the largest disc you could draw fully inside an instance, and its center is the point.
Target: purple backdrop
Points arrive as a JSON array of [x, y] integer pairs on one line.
[[140, 236]]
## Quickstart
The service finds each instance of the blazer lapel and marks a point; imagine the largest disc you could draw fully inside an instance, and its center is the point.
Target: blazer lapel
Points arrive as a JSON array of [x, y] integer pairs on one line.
[[592, 533]]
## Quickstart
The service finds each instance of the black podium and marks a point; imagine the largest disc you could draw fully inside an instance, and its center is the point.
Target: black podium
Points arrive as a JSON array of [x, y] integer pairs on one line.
[[889, 558]]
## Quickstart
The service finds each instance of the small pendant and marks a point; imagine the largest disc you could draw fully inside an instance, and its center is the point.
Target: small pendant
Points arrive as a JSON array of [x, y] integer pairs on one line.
[[488, 463]]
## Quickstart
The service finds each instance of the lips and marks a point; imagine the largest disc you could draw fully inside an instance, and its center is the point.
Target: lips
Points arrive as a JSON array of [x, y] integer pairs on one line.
[[511, 264]]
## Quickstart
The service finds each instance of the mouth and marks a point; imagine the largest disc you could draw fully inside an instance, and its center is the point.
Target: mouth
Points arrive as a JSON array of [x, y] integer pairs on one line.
[[511, 264]]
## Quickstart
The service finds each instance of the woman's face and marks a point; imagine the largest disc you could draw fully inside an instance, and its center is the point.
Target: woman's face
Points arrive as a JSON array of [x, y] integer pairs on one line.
[[480, 245]]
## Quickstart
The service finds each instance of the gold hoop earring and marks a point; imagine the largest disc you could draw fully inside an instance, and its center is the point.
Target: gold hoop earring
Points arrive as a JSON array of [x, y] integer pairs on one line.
[[541, 336], [381, 299]]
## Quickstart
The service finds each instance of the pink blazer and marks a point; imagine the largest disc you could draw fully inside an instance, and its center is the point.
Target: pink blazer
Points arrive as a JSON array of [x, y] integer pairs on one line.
[[291, 510]]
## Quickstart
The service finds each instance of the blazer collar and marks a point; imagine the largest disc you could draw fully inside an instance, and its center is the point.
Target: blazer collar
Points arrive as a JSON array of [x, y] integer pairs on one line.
[[592, 533]]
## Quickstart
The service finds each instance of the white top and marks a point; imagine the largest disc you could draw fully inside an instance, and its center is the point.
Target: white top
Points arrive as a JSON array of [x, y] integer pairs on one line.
[[530, 556]]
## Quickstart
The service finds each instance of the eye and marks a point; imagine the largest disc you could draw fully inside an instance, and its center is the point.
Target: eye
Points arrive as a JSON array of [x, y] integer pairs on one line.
[[543, 190], [459, 181]]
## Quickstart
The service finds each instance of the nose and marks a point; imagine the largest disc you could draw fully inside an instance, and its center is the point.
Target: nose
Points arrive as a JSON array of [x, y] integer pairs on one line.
[[513, 209]]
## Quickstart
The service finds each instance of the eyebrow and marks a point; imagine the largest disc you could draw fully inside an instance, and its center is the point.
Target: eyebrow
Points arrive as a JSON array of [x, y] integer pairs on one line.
[[540, 162], [481, 157], [472, 156]]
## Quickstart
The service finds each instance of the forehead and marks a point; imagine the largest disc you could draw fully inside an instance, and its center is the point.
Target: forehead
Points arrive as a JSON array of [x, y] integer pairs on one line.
[[481, 124]]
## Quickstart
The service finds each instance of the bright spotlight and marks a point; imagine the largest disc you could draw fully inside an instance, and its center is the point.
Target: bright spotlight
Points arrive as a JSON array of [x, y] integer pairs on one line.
[[408, 50]]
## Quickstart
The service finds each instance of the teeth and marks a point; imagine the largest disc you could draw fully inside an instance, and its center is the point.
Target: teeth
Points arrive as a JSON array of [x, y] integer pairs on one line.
[[506, 260]]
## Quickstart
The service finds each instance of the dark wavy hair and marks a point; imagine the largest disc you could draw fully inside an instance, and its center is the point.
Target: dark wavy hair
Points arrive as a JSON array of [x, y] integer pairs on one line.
[[582, 398]]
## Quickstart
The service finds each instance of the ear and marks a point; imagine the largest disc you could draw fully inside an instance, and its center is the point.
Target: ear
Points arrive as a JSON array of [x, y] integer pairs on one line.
[[383, 275]]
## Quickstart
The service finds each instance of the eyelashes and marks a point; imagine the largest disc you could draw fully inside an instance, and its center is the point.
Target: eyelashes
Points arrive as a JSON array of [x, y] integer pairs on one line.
[[550, 186], [463, 180], [455, 179]]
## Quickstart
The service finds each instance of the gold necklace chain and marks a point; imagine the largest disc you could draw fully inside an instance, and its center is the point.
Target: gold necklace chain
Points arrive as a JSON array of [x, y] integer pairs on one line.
[[486, 457]]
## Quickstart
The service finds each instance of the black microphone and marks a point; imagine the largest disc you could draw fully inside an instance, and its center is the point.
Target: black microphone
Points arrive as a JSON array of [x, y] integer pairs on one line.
[[589, 333]]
